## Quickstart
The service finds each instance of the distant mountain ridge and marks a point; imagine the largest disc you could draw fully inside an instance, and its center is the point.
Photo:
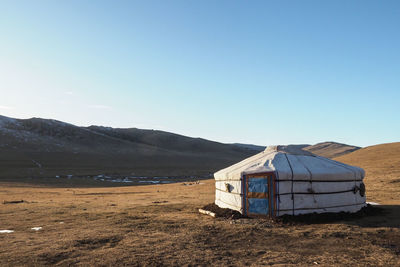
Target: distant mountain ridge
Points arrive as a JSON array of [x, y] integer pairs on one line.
[[20, 132], [251, 147], [324, 149], [61, 148], [331, 149], [44, 147]]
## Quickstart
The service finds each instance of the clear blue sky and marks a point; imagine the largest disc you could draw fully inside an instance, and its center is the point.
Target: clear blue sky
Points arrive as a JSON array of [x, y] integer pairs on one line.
[[263, 72]]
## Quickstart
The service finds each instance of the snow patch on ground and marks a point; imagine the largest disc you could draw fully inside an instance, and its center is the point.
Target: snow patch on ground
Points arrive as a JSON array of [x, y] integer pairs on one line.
[[156, 182], [120, 181], [36, 228], [6, 231]]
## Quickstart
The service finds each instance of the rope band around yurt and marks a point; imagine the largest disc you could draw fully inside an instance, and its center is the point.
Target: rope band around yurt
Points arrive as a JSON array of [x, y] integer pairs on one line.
[[291, 170]]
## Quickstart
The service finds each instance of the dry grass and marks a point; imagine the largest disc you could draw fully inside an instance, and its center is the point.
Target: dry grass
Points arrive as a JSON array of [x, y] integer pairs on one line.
[[382, 166], [122, 226], [160, 225]]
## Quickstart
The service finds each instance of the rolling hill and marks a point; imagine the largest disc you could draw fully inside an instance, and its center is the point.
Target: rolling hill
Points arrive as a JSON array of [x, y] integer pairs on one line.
[[331, 149], [382, 166], [41, 147], [47, 148], [325, 149]]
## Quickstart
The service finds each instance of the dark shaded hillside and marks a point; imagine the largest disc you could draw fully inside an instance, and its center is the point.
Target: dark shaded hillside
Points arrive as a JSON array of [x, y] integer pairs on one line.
[[48, 148], [251, 147], [41, 147], [166, 140]]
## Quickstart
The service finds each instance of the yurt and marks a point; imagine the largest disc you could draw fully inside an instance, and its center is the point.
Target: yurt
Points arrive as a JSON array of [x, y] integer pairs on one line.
[[288, 180]]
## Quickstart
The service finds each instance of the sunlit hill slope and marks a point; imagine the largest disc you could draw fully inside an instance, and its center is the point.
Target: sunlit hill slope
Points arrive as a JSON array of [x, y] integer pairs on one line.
[[382, 166]]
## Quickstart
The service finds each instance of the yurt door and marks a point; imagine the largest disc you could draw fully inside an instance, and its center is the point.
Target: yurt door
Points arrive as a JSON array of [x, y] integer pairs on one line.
[[259, 194]]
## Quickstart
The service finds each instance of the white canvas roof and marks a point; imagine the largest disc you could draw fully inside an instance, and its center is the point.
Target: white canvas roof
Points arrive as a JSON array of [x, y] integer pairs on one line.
[[291, 163]]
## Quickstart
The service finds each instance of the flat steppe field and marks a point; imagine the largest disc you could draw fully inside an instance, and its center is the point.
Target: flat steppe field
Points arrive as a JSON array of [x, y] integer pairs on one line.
[[160, 225]]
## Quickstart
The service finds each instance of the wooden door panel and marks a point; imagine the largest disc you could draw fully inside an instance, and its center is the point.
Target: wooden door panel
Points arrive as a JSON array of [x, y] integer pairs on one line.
[[259, 194]]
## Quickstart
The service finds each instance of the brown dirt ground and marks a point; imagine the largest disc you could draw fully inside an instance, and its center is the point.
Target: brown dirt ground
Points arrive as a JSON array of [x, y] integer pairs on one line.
[[160, 225]]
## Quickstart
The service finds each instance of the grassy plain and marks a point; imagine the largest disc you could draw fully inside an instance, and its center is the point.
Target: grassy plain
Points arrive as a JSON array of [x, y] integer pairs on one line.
[[156, 225]]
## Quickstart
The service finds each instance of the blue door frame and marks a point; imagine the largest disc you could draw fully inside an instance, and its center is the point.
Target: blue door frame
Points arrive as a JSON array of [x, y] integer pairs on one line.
[[259, 194]]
